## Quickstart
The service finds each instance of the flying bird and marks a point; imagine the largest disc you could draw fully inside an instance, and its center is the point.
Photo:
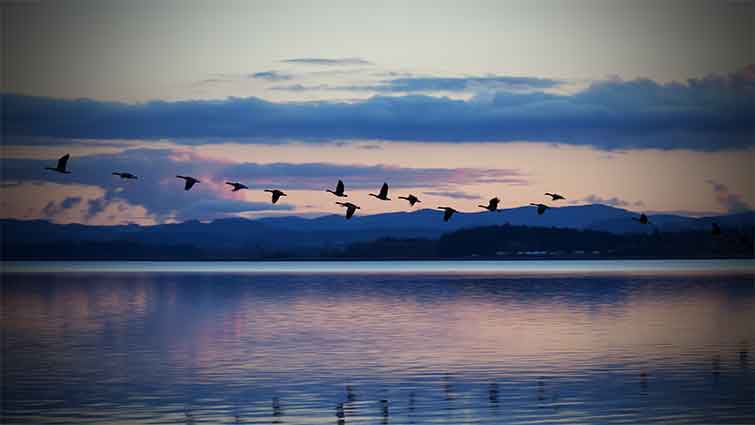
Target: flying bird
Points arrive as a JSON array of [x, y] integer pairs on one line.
[[411, 198], [236, 186], [643, 219], [492, 205], [383, 195], [540, 208], [554, 196], [125, 175], [276, 194], [61, 167], [339, 190], [447, 212], [715, 229], [190, 181], [350, 208]]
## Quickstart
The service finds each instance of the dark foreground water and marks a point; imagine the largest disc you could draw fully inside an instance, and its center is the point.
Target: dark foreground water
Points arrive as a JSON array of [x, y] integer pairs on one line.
[[171, 345]]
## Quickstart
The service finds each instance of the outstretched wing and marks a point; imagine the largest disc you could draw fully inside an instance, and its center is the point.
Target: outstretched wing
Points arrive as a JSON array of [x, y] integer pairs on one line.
[[384, 191], [340, 187], [63, 161], [189, 184], [447, 215], [350, 212], [276, 196], [541, 209]]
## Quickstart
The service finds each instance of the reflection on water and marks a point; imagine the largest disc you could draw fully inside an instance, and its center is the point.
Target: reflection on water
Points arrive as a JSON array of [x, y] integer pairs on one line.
[[377, 349]]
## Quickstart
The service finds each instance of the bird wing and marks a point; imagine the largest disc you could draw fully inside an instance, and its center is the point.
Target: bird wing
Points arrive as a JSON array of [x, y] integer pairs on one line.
[[340, 187], [350, 210], [447, 214], [276, 196], [189, 184], [63, 161], [384, 191]]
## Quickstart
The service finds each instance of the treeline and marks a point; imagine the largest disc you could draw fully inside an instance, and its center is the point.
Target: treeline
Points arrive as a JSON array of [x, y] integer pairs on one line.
[[522, 241], [505, 241]]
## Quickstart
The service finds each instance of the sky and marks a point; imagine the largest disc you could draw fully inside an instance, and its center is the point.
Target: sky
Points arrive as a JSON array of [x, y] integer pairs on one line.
[[643, 105]]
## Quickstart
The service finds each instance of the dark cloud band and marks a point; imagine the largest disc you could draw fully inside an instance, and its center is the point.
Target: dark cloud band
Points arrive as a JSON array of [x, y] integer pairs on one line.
[[705, 114]]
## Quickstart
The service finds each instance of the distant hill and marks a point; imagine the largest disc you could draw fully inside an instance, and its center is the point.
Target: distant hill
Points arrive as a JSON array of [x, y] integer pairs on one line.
[[296, 236], [509, 241]]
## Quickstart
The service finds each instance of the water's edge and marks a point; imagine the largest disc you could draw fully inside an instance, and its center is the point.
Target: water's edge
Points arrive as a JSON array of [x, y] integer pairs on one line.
[[499, 267]]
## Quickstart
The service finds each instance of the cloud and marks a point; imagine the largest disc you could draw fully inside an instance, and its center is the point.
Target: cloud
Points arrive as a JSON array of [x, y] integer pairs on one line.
[[96, 206], [328, 61], [54, 208], [303, 87], [318, 176], [228, 206], [157, 190], [614, 201], [436, 84], [732, 202], [70, 202], [272, 76], [162, 195], [453, 194], [712, 113]]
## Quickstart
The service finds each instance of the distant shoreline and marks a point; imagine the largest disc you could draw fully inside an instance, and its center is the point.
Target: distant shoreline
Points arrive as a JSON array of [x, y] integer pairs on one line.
[[370, 260], [387, 259], [501, 268]]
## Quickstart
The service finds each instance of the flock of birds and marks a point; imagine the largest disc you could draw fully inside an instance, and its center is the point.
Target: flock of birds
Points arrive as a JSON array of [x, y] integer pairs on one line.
[[351, 208]]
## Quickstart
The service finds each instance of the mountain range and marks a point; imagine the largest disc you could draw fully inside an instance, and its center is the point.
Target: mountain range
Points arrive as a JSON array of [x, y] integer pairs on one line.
[[303, 236]]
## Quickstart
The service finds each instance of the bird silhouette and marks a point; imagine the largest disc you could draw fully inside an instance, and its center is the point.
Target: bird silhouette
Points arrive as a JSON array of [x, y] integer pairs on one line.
[[61, 167], [125, 175], [276, 194], [190, 181], [339, 190], [715, 229], [554, 196], [492, 205], [540, 208], [383, 195], [350, 208], [411, 198], [447, 212], [236, 186], [643, 219]]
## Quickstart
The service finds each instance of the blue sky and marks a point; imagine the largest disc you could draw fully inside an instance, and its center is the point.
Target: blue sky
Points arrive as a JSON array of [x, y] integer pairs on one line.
[[624, 103]]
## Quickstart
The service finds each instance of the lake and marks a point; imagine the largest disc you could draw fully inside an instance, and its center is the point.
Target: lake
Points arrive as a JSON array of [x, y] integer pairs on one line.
[[379, 342]]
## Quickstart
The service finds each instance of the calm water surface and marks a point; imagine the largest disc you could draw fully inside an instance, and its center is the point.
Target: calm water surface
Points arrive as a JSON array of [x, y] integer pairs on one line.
[[545, 342]]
